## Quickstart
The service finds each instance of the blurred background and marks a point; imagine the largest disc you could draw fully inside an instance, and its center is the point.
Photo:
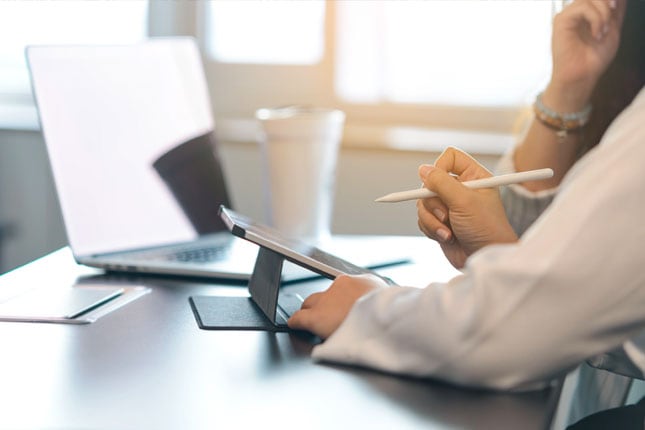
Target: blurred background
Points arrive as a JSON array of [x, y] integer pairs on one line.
[[412, 76]]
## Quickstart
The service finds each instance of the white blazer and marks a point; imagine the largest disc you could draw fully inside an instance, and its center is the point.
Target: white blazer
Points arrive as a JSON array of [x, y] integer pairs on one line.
[[521, 314]]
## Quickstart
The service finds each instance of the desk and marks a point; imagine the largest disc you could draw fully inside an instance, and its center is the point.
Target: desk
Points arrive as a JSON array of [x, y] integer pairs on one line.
[[148, 366]]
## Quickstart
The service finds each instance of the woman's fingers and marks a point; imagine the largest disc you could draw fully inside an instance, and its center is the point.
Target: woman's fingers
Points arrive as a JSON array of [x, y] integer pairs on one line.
[[311, 301], [596, 14], [429, 223], [453, 160]]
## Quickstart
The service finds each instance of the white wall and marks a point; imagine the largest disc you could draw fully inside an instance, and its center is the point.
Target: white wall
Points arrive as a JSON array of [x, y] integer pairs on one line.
[[28, 206]]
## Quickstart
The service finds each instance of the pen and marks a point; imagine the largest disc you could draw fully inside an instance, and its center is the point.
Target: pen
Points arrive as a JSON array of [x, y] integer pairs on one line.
[[493, 181]]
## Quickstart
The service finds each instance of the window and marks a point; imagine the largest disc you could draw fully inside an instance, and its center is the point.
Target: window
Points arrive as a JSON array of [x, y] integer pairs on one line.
[[464, 53], [52, 22], [263, 31], [466, 64], [440, 63]]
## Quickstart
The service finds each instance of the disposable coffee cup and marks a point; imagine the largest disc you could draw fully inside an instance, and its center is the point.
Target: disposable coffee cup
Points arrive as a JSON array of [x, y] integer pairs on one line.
[[299, 147]]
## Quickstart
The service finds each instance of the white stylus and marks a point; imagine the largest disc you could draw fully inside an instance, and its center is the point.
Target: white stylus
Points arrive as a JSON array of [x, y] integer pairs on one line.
[[493, 181]]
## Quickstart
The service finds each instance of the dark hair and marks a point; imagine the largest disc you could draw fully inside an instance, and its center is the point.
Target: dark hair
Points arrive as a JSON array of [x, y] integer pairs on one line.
[[624, 77]]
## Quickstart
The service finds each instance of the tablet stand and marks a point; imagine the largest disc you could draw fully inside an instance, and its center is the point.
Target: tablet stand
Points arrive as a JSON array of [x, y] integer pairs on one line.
[[264, 285], [258, 312]]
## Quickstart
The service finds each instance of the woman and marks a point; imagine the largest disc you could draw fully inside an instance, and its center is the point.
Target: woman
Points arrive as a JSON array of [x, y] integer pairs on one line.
[[525, 310], [583, 75]]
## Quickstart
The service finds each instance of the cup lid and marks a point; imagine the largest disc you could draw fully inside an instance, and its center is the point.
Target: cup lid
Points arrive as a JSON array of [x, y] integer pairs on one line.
[[297, 111]]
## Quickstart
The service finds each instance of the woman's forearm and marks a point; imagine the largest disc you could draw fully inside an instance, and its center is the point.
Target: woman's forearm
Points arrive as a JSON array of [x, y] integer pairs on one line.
[[543, 146]]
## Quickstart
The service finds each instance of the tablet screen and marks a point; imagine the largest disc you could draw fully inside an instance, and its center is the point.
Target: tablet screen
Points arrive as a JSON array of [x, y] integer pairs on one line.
[[292, 249]]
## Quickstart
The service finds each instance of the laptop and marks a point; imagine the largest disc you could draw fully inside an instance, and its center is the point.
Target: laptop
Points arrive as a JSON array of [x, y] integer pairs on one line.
[[130, 138]]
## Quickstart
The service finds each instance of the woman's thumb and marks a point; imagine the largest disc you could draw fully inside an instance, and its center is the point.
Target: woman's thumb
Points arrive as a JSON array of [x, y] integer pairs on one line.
[[447, 187]]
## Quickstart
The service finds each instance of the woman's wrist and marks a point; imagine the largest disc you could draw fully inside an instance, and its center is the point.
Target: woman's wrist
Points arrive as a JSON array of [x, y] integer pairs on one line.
[[566, 97], [561, 122]]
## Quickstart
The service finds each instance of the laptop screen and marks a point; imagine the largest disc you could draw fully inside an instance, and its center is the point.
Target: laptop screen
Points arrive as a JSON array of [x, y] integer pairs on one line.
[[120, 124]]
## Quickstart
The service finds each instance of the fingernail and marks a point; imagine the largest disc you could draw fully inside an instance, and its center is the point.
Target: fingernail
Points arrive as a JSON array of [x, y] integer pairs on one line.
[[443, 234], [424, 169], [612, 4], [439, 214]]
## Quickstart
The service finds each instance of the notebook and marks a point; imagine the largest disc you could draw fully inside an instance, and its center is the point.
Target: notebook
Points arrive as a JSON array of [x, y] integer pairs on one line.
[[130, 137]]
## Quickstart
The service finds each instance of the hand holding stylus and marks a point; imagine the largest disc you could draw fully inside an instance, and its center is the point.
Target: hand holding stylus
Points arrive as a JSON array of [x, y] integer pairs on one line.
[[493, 181]]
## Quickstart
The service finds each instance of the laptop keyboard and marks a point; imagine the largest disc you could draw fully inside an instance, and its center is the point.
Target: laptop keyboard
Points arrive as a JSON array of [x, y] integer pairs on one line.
[[199, 255], [202, 254]]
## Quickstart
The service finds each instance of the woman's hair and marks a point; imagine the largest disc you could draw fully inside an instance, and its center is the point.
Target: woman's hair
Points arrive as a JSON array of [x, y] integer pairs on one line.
[[624, 77]]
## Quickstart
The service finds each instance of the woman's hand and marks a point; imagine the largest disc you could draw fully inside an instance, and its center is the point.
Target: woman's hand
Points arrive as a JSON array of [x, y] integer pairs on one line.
[[462, 220], [586, 35], [322, 313]]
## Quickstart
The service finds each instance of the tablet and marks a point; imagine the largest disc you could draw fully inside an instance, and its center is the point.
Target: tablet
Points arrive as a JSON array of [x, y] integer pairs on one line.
[[293, 250]]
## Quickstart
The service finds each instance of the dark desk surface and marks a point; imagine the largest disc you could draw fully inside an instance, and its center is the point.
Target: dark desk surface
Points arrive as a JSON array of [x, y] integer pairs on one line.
[[148, 366]]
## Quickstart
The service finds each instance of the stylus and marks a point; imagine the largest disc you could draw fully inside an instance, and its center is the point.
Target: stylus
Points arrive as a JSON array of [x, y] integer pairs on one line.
[[493, 181]]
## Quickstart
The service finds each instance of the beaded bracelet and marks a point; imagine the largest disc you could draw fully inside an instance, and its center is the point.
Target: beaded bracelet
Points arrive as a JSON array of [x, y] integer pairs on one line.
[[563, 123]]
